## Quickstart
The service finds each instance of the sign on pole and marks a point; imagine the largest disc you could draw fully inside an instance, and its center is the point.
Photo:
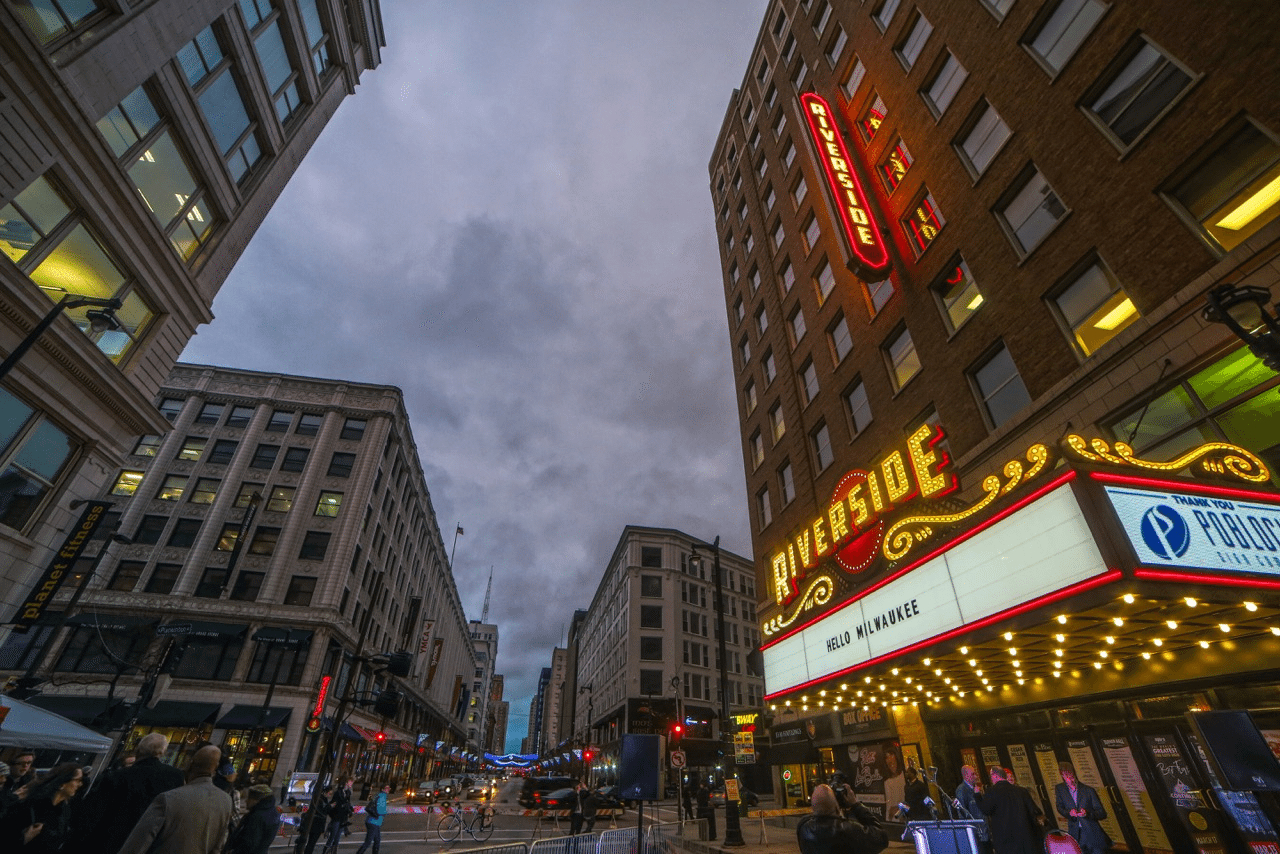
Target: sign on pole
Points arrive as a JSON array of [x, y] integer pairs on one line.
[[744, 748], [678, 759]]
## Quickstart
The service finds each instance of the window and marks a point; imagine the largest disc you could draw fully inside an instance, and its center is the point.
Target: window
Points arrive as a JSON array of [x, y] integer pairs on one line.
[[749, 397], [170, 407], [744, 352], [753, 279], [909, 49], [854, 80], [50, 20], [787, 276], [295, 459], [222, 452], [770, 367], [651, 586], [762, 321], [127, 574], [824, 280], [748, 242], [1064, 30], [799, 191], [835, 47], [984, 135], [859, 406], [651, 682], [1031, 211], [308, 424], [779, 26], [222, 102], [264, 457], [754, 139], [879, 294], [227, 539], [149, 153], [777, 422], [797, 79], [264, 541], [126, 482], [149, 530], [184, 533], [841, 341], [1230, 193], [998, 8], [820, 440], [148, 446], [329, 504], [770, 97], [1000, 387], [764, 510], [240, 416], [811, 232], [173, 487], [301, 589], [778, 235], [192, 448], [100, 649], [205, 490], [757, 449], [786, 484], [904, 361], [247, 492], [314, 545], [280, 422], [742, 211], [748, 112], [770, 198], [923, 223], [788, 154], [650, 648], [651, 556], [739, 311], [1134, 96], [946, 82], [820, 19], [163, 577], [884, 13], [1094, 307], [353, 429], [872, 118], [650, 616], [809, 380], [212, 657], [895, 165], [340, 464], [46, 237], [795, 324], [958, 295], [281, 500], [247, 586]]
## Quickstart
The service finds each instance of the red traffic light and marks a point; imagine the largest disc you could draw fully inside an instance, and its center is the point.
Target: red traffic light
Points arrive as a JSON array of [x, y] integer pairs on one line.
[[379, 737], [587, 754], [677, 730]]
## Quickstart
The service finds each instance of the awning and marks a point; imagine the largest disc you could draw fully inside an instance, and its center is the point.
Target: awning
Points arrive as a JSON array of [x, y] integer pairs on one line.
[[201, 629], [368, 735], [291, 637], [26, 725], [112, 622], [251, 717], [179, 713], [346, 731], [82, 710], [795, 753]]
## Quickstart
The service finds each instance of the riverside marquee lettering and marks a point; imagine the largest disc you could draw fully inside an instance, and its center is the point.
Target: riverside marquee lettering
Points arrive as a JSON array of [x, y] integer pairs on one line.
[[920, 470], [851, 201]]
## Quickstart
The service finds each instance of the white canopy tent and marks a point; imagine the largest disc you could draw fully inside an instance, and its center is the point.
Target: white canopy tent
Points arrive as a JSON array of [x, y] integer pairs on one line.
[[25, 725]]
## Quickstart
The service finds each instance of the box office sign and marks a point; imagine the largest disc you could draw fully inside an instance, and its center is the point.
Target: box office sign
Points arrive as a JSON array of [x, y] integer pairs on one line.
[[859, 722], [1033, 553], [1182, 529]]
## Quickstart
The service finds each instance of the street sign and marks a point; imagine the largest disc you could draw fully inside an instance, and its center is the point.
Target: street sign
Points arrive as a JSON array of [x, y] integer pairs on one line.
[[678, 759], [731, 790], [744, 748]]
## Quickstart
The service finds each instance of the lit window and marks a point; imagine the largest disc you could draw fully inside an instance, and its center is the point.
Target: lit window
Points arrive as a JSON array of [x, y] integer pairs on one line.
[[1095, 308], [246, 494], [958, 295], [859, 407], [796, 324], [1234, 190], [884, 13], [872, 118], [1064, 30], [809, 380], [923, 223], [763, 507], [127, 482], [984, 135], [904, 361], [329, 503], [909, 49], [51, 19], [192, 448], [148, 446], [205, 490], [786, 484], [824, 280], [749, 397], [1000, 387], [757, 450], [1139, 93], [856, 73], [281, 500], [777, 422], [942, 89], [822, 453], [841, 341], [812, 231], [173, 487], [227, 539], [895, 165], [1032, 211]]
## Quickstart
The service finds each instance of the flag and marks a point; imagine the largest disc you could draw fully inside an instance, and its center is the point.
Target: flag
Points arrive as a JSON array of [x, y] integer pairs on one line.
[[461, 532]]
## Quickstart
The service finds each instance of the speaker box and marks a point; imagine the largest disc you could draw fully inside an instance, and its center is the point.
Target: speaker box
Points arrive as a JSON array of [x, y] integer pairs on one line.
[[640, 767], [944, 837]]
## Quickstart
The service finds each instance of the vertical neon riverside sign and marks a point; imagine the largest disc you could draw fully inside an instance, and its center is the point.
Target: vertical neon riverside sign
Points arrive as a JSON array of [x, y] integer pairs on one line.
[[851, 201]]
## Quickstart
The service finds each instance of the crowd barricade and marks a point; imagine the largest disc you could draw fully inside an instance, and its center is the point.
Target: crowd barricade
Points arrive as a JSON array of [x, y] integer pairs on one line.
[[583, 843], [507, 848]]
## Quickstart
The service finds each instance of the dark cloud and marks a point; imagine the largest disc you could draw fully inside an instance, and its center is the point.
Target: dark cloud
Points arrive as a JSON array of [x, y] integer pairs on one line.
[[511, 222]]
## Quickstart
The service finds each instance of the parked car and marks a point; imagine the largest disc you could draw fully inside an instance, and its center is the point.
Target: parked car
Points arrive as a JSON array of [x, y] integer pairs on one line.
[[533, 785], [423, 793], [559, 799], [745, 795], [609, 798]]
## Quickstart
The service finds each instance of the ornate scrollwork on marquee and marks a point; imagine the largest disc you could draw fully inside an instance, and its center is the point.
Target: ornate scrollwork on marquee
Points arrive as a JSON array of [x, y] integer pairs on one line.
[[819, 592], [1216, 458], [907, 533]]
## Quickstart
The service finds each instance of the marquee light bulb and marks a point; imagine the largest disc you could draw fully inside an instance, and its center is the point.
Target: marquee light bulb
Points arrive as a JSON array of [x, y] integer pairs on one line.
[[1062, 618], [787, 703], [1022, 682], [1251, 606], [1013, 650], [964, 650], [928, 661], [1103, 654], [1058, 653], [1147, 655], [986, 681], [844, 687], [1172, 624], [973, 662], [908, 680], [1008, 635], [1097, 665], [1017, 663], [1110, 639], [1119, 621], [894, 671], [946, 681], [1191, 602], [978, 672], [1224, 627], [822, 693], [1158, 641], [1275, 630], [1128, 598], [937, 671], [1057, 674], [1017, 673], [859, 693], [1060, 638], [867, 679], [1204, 644]]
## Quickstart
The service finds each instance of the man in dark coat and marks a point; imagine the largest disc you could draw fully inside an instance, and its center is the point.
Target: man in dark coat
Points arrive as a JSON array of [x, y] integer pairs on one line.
[[1082, 808], [825, 831], [1011, 816], [113, 807], [967, 803], [257, 830], [705, 809]]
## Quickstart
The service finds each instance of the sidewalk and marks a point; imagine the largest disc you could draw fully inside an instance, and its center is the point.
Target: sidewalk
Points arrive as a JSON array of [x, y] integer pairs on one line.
[[768, 836]]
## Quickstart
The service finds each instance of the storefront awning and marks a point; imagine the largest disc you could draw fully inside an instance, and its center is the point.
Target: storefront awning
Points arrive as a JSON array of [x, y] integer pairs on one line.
[[179, 713], [112, 622], [365, 734], [82, 710], [202, 629], [251, 717]]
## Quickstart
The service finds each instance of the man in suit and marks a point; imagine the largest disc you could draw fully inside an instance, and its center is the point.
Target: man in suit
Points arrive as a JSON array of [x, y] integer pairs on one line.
[[191, 819], [967, 802], [1082, 808], [1011, 816], [114, 806]]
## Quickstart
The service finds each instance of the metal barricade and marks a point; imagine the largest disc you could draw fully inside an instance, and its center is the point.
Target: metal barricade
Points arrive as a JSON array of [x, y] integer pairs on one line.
[[507, 848], [583, 843], [665, 838]]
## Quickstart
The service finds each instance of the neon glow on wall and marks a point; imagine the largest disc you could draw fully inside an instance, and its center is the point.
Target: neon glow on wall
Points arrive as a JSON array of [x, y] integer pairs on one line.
[[850, 198]]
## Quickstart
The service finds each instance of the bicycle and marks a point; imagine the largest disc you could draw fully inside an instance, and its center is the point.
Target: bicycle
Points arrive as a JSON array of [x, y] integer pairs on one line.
[[479, 827]]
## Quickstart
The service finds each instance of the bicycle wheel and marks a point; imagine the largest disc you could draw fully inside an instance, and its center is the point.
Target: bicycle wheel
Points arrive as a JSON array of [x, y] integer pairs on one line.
[[482, 827], [448, 828]]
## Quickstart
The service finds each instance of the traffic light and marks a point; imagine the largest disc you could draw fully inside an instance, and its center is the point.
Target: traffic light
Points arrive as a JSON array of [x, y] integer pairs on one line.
[[380, 737], [677, 730], [399, 663], [587, 754], [388, 703]]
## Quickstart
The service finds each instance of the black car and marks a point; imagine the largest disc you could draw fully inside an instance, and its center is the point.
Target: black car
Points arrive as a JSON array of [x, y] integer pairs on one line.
[[609, 798], [559, 799], [534, 785]]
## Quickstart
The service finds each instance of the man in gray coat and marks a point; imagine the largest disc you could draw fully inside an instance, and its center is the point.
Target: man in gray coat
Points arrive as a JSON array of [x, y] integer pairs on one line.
[[192, 819]]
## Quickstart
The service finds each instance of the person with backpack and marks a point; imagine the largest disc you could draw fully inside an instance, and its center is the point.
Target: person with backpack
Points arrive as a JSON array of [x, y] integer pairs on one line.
[[374, 812]]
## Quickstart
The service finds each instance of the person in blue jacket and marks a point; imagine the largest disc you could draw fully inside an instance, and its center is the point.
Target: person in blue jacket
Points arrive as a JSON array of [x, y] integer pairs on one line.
[[374, 812]]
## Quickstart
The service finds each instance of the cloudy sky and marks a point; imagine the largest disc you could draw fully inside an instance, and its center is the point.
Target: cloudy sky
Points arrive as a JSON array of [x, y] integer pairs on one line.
[[511, 222]]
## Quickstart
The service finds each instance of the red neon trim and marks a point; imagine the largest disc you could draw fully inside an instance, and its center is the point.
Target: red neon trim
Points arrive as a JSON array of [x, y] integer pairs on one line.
[[875, 257], [1201, 578], [1065, 477], [1048, 599], [1185, 486]]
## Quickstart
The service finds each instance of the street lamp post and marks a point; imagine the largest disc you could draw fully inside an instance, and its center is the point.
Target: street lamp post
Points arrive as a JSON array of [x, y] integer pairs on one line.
[[1243, 310], [732, 827], [100, 321]]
